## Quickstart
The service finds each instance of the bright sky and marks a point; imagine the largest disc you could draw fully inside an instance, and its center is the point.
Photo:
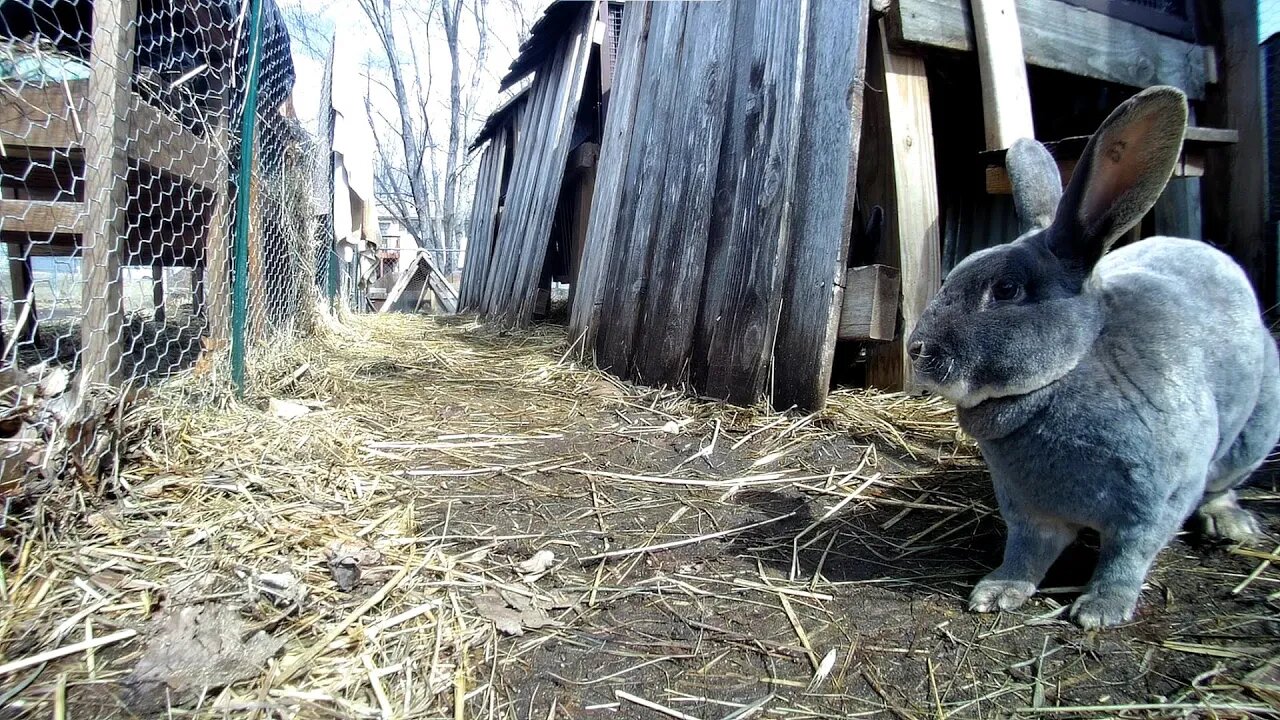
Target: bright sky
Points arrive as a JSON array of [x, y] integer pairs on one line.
[[346, 16], [1268, 18]]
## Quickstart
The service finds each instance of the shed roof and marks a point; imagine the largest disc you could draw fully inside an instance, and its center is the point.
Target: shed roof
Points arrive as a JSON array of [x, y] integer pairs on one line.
[[499, 117], [543, 36]]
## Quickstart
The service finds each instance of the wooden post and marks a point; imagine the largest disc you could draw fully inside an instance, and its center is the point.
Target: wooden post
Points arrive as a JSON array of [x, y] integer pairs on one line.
[[911, 201], [106, 188], [24, 301], [157, 289], [216, 283], [1006, 101], [1235, 186], [197, 289]]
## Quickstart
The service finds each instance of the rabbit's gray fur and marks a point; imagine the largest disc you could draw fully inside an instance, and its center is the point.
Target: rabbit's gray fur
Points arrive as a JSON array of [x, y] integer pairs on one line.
[[1123, 392]]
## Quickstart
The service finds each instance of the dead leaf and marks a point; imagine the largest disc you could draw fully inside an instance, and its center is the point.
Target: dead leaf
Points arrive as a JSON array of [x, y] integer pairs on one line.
[[539, 563], [196, 649], [492, 607], [287, 410]]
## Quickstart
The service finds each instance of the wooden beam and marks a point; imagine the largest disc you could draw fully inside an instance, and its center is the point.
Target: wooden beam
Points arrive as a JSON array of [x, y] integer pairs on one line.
[[915, 199], [24, 301], [56, 116], [1068, 38], [106, 189], [1235, 187], [679, 157], [197, 290], [43, 217], [1006, 101], [157, 290], [216, 273]]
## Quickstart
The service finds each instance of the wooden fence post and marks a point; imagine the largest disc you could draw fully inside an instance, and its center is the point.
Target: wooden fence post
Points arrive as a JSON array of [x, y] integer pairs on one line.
[[106, 188]]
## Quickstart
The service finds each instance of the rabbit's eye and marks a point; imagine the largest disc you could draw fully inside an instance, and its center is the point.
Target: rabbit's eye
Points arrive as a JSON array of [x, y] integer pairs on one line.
[[1004, 290]]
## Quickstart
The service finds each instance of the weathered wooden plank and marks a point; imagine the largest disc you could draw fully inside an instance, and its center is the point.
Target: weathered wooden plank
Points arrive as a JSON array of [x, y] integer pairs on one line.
[[750, 231], [217, 256], [652, 172], [1064, 37], [106, 185], [483, 221], [830, 131], [916, 185], [577, 56], [538, 170], [1235, 197], [57, 116], [911, 201], [1006, 100], [530, 124], [615, 150], [870, 310], [42, 217], [696, 124]]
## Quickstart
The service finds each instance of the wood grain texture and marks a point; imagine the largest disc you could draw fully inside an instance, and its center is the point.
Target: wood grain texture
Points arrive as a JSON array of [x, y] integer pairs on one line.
[[106, 185], [826, 170], [58, 116], [1006, 100], [750, 229], [615, 151], [483, 223], [696, 124], [217, 255], [640, 212], [870, 310], [1064, 37], [916, 185]]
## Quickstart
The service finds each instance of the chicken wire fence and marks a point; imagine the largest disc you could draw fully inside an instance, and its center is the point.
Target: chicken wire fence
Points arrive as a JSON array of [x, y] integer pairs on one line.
[[156, 188]]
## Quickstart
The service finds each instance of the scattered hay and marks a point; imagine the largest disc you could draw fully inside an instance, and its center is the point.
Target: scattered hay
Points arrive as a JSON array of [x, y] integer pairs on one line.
[[418, 518]]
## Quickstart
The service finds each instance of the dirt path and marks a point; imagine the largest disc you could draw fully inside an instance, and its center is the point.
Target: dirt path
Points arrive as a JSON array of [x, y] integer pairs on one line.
[[811, 572]]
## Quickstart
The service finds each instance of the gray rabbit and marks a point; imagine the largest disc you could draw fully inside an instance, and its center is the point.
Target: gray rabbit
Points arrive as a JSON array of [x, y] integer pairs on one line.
[[1120, 392]]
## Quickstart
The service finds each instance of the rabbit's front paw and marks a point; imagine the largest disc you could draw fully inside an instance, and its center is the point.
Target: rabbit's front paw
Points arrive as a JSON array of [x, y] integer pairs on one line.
[[992, 595], [1223, 519], [1099, 609]]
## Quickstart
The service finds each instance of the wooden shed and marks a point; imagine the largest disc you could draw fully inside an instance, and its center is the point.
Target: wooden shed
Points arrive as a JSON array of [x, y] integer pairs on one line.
[[780, 187], [537, 172]]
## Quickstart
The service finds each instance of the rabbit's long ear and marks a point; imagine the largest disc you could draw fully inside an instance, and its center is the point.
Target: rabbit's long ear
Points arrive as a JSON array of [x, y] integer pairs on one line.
[[1121, 173], [1037, 186]]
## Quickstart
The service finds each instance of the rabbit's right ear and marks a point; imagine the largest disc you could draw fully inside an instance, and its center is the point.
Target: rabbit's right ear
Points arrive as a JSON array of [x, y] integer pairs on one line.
[[1037, 186], [1124, 168]]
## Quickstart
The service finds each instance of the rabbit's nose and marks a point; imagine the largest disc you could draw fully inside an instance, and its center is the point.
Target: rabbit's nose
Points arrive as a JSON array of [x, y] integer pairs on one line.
[[915, 349]]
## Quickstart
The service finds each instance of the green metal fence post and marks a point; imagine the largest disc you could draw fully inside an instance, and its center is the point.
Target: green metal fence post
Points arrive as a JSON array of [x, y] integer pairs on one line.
[[248, 123]]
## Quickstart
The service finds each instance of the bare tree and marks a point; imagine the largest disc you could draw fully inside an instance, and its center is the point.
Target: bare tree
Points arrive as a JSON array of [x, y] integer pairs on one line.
[[420, 179]]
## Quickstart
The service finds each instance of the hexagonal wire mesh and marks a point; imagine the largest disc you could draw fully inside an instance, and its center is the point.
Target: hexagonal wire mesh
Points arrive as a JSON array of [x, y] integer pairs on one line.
[[120, 123]]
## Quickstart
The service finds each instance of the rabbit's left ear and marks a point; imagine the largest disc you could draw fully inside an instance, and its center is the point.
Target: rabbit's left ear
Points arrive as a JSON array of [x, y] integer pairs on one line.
[[1121, 173], [1037, 186]]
